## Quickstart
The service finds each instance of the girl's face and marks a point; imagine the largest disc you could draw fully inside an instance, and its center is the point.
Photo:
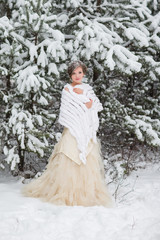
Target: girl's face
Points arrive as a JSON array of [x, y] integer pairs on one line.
[[77, 76]]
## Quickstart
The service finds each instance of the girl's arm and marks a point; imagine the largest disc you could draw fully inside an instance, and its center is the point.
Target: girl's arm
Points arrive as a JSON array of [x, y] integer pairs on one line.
[[66, 89], [78, 90], [89, 104]]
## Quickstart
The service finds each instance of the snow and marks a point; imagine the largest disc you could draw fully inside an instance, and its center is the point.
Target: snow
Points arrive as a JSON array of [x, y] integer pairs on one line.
[[35, 144], [139, 36], [155, 21], [135, 215], [4, 23], [156, 39], [43, 101], [33, 52], [73, 3], [56, 50], [144, 129], [42, 59], [123, 56], [52, 68], [39, 119], [12, 158]]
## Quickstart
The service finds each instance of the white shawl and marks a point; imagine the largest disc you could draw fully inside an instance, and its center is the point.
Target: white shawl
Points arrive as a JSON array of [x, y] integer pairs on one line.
[[82, 122]]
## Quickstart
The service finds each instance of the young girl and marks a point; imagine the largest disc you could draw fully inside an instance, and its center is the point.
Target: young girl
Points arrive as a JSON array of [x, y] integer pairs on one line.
[[75, 172]]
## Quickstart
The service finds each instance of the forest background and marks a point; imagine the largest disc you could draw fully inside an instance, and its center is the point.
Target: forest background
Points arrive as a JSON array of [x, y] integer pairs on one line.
[[118, 40]]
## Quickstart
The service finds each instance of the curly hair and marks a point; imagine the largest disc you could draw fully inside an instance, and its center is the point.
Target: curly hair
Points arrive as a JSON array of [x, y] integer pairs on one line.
[[75, 64]]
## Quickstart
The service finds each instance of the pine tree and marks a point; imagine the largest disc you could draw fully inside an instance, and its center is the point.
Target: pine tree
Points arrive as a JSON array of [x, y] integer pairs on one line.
[[39, 48], [118, 41]]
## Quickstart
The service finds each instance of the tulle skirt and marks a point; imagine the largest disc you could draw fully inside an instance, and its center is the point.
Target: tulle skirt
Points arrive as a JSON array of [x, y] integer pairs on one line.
[[67, 181]]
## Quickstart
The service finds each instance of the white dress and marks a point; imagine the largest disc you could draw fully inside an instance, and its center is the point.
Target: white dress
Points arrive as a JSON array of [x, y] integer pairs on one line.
[[67, 181]]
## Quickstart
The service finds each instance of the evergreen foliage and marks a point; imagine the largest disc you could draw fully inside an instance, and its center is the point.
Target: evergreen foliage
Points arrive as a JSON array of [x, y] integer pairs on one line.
[[120, 43]]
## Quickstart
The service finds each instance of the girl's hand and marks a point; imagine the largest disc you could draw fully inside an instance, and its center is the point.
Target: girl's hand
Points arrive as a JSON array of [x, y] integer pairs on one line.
[[78, 90], [66, 89], [89, 104]]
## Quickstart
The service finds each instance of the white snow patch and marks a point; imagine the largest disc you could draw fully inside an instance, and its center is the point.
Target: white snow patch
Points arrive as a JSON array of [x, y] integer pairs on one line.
[[134, 217]]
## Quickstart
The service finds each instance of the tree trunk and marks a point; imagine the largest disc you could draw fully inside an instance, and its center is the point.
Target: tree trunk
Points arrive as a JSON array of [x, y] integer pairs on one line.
[[130, 87], [8, 83], [99, 2], [21, 156]]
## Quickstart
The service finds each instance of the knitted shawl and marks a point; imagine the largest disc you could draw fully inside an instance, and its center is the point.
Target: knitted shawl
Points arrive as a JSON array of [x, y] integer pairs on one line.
[[82, 122]]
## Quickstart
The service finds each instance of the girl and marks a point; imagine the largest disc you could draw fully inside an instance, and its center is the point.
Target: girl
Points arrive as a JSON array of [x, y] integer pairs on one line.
[[75, 173]]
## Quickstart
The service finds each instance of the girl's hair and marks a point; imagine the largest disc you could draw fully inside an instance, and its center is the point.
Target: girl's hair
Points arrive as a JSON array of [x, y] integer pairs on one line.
[[75, 64]]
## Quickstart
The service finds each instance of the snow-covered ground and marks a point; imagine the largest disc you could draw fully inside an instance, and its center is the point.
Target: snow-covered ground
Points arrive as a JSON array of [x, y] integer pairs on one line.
[[136, 214]]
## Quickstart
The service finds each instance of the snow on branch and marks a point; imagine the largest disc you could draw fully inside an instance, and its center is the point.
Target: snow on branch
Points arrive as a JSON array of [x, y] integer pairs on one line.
[[73, 3], [139, 36], [144, 130], [29, 79], [124, 57], [12, 158], [5, 26]]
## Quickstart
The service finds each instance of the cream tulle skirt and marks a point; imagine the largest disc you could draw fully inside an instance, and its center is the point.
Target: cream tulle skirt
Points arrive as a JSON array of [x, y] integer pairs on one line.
[[67, 181]]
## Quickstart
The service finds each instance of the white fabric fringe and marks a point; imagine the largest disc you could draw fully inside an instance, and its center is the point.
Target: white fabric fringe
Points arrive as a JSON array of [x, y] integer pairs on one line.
[[82, 122]]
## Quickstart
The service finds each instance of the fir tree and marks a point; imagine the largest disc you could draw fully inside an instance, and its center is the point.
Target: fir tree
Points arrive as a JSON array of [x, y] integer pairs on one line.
[[118, 40], [39, 48]]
